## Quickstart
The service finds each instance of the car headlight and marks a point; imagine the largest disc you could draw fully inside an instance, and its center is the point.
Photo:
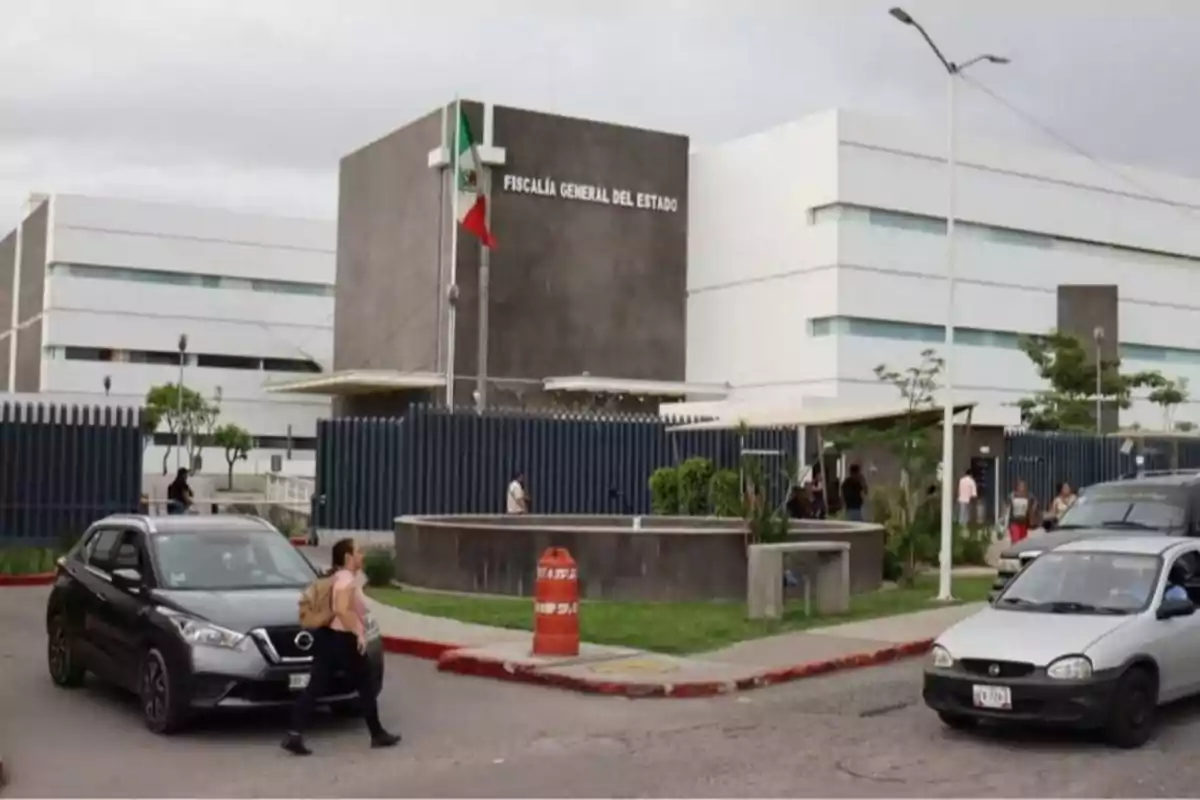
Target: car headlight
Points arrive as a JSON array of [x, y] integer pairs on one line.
[[1007, 565], [940, 657], [205, 634], [1070, 668]]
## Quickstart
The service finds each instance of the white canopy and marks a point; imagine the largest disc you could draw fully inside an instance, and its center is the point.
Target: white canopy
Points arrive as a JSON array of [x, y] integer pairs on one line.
[[811, 417]]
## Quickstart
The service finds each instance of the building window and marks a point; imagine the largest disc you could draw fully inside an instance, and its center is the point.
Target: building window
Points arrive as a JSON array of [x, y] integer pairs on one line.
[[923, 223], [161, 357], [218, 361], [96, 272], [87, 354], [290, 365], [972, 337]]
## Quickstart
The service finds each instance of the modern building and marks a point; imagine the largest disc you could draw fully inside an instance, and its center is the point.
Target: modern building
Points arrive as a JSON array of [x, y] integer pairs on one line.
[[588, 278], [817, 250], [100, 291]]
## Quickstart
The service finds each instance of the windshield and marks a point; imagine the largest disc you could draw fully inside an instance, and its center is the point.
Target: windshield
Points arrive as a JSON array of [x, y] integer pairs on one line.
[[1085, 583], [212, 560], [1128, 506]]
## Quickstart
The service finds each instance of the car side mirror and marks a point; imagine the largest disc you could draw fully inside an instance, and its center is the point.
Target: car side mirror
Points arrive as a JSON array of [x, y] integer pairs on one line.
[[128, 579], [1176, 607]]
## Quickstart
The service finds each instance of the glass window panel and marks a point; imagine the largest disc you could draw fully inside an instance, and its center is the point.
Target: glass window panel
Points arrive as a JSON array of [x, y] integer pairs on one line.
[[821, 326]]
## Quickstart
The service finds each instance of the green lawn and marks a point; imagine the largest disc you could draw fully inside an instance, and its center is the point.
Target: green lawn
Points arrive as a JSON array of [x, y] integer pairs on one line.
[[675, 627], [27, 560]]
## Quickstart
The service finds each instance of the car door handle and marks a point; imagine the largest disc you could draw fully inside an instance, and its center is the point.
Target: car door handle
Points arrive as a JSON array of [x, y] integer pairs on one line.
[[101, 598]]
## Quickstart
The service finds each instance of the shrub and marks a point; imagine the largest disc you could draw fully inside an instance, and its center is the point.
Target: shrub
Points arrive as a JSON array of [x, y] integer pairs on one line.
[[27, 560], [725, 494], [379, 566], [664, 491], [694, 475], [971, 546]]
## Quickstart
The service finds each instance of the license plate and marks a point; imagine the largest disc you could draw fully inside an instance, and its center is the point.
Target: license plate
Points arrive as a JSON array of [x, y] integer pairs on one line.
[[996, 697], [297, 681]]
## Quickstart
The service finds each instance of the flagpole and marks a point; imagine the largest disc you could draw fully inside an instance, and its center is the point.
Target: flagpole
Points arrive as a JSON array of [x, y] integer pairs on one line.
[[452, 289], [485, 277]]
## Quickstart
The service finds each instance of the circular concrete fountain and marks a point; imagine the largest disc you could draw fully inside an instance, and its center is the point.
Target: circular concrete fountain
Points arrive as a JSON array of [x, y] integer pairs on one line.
[[620, 558]]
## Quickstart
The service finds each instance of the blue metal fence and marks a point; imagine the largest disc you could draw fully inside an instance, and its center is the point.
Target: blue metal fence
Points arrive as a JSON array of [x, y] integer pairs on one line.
[[1043, 460], [436, 461], [62, 467]]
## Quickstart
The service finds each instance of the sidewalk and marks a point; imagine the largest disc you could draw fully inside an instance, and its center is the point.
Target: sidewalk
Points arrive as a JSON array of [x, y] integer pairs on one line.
[[600, 669]]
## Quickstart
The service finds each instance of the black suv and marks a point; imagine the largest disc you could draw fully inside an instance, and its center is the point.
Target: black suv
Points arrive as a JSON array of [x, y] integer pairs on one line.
[[1155, 502], [190, 613]]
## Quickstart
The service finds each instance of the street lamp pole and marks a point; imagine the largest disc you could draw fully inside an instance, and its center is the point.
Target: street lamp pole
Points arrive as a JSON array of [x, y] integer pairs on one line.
[[1098, 337], [183, 343], [953, 71]]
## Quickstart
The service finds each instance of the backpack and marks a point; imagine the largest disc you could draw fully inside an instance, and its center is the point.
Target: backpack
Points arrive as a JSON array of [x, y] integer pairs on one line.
[[316, 604]]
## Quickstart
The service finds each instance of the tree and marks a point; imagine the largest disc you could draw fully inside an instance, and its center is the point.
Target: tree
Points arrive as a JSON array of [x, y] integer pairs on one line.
[[203, 425], [1169, 395], [907, 438], [237, 443], [163, 401], [1067, 365], [151, 419]]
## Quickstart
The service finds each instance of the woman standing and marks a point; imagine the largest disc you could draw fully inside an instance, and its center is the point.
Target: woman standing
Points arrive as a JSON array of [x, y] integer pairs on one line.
[[342, 646], [1021, 509], [1064, 498]]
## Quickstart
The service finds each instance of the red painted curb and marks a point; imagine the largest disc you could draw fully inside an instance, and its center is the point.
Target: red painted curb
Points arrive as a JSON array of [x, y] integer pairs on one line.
[[417, 648], [452, 661], [38, 579], [298, 541]]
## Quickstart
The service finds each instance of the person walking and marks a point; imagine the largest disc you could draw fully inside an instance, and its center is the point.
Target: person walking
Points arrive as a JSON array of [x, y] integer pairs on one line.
[[854, 493], [1022, 508], [179, 494], [517, 501], [1064, 498], [968, 491], [341, 646], [818, 506]]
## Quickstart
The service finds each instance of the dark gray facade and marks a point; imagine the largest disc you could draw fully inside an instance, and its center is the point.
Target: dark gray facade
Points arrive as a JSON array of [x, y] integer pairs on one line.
[[586, 278], [8, 258], [1081, 310]]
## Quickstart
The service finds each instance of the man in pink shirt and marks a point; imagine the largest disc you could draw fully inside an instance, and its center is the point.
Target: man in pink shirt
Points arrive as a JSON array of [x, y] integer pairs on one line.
[[967, 492]]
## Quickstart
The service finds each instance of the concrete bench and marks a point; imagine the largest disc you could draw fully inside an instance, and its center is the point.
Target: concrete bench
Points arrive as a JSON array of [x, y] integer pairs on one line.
[[830, 581]]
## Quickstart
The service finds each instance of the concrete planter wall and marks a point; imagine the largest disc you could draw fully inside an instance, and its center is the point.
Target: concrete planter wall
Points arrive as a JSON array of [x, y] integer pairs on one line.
[[668, 558]]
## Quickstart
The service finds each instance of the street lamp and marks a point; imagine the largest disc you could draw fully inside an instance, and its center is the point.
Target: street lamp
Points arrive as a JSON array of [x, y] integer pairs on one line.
[[183, 343], [953, 71], [1098, 338]]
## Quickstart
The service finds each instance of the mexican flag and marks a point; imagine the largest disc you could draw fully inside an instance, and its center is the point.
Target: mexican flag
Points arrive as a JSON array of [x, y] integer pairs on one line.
[[472, 203]]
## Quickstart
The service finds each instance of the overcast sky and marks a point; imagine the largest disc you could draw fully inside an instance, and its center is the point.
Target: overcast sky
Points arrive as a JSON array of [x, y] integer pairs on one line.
[[249, 104]]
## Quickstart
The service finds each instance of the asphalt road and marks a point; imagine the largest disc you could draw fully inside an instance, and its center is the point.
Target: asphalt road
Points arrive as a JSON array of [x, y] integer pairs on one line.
[[861, 734]]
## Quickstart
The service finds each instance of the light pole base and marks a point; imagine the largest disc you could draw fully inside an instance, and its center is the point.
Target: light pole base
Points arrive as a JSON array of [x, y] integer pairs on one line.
[[945, 599]]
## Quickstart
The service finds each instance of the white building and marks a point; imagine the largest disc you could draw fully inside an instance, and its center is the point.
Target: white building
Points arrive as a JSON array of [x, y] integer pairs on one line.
[[100, 291], [817, 251]]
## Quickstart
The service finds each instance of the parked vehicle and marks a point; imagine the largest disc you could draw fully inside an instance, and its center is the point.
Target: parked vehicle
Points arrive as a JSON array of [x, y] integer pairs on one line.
[[1155, 504], [191, 613], [1097, 633]]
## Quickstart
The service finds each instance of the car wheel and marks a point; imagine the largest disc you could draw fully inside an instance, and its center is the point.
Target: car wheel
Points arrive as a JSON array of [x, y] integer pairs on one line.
[[1132, 715], [163, 706], [65, 669], [958, 722]]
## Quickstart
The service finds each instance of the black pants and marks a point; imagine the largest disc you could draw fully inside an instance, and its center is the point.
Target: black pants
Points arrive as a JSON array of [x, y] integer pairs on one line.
[[335, 651]]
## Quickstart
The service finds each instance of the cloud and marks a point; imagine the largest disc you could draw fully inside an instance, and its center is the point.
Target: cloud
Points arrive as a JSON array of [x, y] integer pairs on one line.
[[251, 104]]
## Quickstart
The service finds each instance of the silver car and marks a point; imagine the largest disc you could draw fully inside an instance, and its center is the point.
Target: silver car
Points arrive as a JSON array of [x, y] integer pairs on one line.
[[1094, 634]]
